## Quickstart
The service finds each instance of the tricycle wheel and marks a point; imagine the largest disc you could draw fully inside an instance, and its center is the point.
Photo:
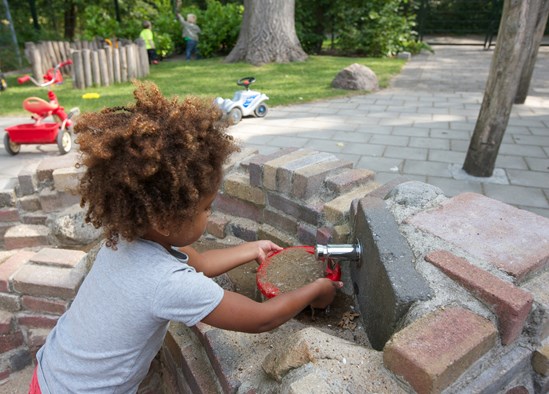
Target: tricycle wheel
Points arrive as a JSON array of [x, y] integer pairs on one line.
[[12, 148], [261, 110], [235, 116], [64, 141]]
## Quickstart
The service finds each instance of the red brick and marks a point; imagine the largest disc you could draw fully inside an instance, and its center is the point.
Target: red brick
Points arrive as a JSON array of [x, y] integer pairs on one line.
[[216, 225], [4, 375], [45, 168], [26, 235], [510, 303], [6, 322], [58, 257], [9, 267], [435, 350], [307, 181], [36, 320], [348, 180], [9, 215], [37, 304], [236, 207], [46, 281], [518, 390], [511, 239], [191, 363], [11, 341]]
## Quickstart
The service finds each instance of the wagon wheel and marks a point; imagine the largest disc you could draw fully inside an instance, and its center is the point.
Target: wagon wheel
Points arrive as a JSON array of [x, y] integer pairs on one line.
[[12, 148], [64, 141]]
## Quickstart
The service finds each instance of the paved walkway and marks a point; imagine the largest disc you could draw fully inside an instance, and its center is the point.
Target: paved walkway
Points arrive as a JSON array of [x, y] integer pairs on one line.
[[421, 126]]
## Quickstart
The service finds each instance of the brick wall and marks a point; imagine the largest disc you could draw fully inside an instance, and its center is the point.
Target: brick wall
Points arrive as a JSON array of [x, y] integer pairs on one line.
[[478, 323]]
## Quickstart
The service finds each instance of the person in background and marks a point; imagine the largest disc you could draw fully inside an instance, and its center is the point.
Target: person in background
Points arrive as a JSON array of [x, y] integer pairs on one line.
[[190, 34], [152, 172], [147, 36]]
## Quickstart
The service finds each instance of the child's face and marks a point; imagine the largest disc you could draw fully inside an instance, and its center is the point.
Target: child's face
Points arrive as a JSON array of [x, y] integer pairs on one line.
[[188, 232]]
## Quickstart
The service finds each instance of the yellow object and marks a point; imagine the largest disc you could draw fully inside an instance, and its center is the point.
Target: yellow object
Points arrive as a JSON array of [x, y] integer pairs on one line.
[[91, 96]]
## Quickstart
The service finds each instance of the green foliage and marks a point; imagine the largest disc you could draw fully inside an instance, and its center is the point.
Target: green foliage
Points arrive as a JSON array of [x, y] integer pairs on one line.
[[376, 28], [220, 25]]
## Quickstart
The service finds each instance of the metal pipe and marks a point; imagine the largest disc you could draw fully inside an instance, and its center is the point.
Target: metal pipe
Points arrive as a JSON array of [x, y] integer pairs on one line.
[[338, 252]]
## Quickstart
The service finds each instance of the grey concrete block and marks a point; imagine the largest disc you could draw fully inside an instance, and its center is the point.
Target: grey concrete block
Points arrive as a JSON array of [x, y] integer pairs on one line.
[[385, 281]]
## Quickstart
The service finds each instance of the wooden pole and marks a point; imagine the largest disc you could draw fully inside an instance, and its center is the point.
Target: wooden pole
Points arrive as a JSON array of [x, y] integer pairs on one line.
[[86, 60], [515, 32], [540, 21]]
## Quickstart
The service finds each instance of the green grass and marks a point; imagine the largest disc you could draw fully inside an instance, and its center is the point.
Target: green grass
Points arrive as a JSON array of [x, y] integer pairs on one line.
[[284, 83]]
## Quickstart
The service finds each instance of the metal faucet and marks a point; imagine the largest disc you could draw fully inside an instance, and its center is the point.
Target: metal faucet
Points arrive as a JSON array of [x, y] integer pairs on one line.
[[338, 252]]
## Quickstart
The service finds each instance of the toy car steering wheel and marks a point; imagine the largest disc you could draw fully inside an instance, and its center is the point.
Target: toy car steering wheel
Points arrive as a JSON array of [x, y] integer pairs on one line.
[[246, 82]]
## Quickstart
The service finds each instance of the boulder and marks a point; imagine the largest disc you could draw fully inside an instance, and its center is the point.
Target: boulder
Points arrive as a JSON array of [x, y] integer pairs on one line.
[[356, 77]]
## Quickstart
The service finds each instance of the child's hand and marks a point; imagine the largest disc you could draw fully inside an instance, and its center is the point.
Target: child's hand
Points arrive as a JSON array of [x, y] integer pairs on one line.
[[264, 249], [328, 292]]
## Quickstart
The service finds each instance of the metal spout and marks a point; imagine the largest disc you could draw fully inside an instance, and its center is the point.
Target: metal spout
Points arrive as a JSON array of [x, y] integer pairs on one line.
[[338, 252]]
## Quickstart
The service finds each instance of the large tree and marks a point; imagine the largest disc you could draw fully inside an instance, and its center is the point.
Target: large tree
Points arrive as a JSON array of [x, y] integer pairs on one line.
[[519, 37], [267, 34]]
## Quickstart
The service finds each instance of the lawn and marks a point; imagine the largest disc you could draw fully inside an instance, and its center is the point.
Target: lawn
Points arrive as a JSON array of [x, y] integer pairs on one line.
[[283, 83]]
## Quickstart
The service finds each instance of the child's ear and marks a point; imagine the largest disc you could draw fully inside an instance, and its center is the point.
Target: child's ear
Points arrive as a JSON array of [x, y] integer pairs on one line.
[[162, 231]]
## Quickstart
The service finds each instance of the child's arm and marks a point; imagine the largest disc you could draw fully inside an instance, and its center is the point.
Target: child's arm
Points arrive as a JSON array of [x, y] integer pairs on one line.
[[218, 261], [239, 313]]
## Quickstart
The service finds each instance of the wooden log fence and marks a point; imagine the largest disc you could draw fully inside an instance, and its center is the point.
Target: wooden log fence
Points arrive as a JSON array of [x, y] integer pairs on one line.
[[94, 62]]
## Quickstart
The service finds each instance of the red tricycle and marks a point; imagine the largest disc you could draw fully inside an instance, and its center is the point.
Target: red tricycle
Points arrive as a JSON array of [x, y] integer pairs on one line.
[[40, 132]]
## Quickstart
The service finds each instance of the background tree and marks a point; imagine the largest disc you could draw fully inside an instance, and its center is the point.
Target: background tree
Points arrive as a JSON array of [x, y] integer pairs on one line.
[[267, 34], [516, 45]]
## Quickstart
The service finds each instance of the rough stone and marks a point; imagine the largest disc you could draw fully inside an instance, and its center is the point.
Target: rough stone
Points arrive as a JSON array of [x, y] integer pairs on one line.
[[356, 77], [70, 228]]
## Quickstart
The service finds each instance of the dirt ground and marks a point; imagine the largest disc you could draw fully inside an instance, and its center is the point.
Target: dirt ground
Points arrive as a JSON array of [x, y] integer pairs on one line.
[[18, 382], [339, 319]]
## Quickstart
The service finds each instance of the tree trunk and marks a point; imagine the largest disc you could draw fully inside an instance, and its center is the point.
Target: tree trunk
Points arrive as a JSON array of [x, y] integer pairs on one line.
[[528, 69], [70, 20], [515, 35], [34, 15], [267, 34]]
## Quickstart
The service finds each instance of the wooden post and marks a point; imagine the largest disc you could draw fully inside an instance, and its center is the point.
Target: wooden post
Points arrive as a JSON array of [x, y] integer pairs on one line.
[[116, 65], [95, 68], [78, 82], [34, 59], [103, 69], [515, 32], [123, 64], [540, 21], [143, 58], [130, 58], [86, 60], [108, 53]]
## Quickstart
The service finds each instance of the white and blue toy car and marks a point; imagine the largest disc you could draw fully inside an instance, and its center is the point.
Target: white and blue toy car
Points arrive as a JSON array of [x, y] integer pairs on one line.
[[244, 102]]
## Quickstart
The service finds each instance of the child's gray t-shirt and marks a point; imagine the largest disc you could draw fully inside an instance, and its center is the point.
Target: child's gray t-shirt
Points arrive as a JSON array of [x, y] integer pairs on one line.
[[107, 339]]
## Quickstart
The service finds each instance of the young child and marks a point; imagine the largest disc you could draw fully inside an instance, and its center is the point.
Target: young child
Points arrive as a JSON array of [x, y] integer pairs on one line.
[[190, 35], [153, 170], [147, 36]]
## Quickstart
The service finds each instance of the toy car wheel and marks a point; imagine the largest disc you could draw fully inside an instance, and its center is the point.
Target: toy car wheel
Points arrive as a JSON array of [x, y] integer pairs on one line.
[[261, 110], [64, 141], [235, 116], [12, 148]]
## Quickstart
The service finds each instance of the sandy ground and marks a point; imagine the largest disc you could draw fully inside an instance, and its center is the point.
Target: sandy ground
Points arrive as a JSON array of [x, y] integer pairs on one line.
[[18, 382]]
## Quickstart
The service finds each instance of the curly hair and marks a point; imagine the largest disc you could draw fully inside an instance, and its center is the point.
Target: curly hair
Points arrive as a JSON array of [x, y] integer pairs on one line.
[[149, 164]]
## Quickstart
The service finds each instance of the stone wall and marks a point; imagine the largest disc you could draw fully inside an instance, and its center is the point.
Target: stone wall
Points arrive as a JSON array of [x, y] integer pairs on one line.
[[477, 321]]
